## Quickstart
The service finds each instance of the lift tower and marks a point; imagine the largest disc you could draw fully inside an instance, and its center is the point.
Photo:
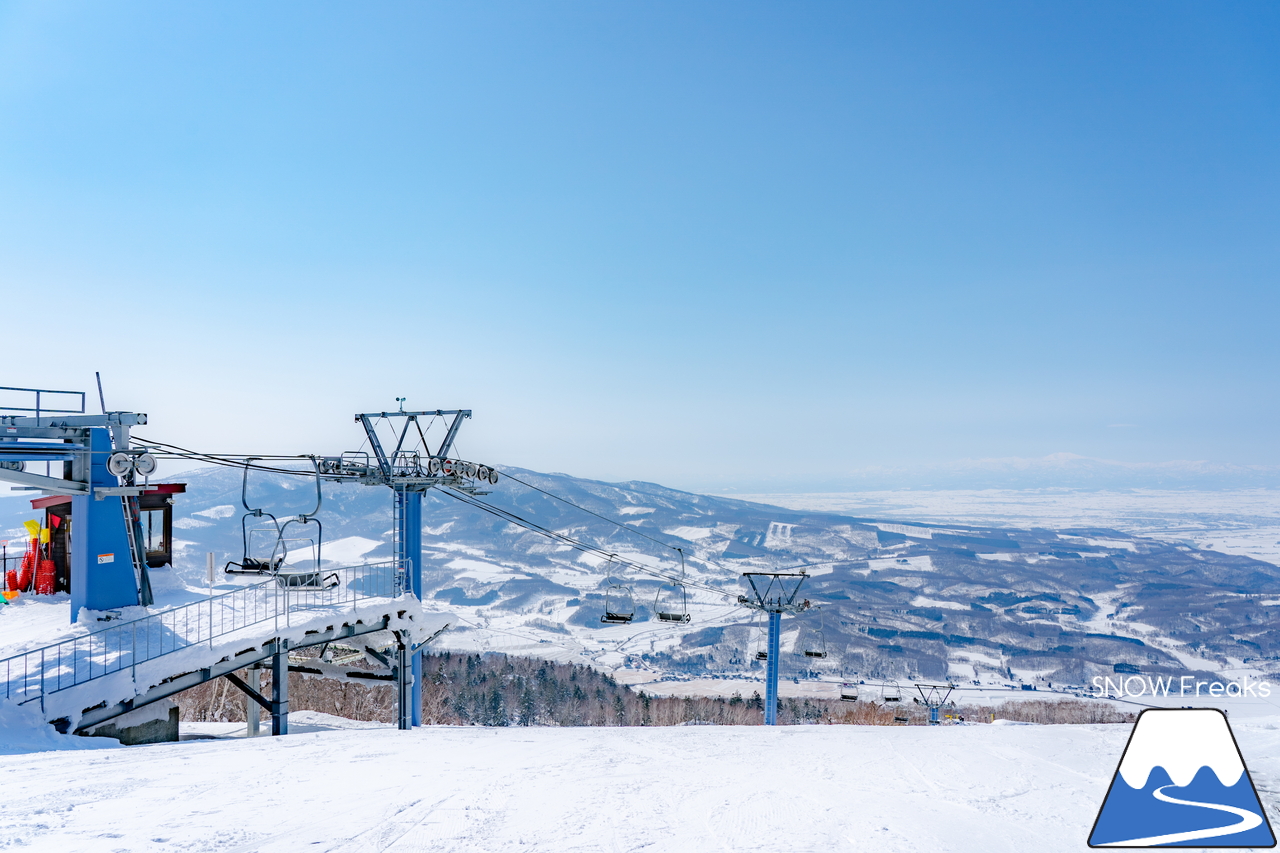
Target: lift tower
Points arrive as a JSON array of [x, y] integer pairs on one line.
[[409, 473], [773, 593], [933, 697]]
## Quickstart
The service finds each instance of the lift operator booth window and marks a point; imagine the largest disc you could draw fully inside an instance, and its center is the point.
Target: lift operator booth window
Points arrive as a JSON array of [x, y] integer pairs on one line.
[[157, 529]]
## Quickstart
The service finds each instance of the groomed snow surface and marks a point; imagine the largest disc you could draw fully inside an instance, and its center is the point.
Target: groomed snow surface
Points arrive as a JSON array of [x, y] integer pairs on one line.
[[333, 785]]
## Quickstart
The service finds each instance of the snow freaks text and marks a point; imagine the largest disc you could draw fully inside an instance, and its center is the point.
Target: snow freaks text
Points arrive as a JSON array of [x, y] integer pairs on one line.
[[1186, 685]]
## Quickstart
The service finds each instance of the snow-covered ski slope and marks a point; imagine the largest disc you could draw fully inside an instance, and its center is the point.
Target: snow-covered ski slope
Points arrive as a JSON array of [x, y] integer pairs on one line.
[[984, 789]]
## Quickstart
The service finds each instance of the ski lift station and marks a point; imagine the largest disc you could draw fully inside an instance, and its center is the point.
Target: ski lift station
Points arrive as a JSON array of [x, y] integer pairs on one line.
[[105, 526]]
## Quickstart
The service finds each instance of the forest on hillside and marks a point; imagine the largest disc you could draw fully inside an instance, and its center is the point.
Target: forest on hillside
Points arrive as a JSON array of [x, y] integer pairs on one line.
[[501, 690]]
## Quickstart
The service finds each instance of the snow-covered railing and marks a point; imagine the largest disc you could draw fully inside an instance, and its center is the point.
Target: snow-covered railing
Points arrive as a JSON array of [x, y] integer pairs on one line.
[[279, 602]]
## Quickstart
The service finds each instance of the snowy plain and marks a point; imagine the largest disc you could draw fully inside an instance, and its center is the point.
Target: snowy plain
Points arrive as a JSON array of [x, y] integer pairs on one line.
[[337, 786], [1234, 521]]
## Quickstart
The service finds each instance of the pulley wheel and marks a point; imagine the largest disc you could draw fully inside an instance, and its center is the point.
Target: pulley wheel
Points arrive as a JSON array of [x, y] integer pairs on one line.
[[434, 466], [493, 477], [119, 464], [145, 464]]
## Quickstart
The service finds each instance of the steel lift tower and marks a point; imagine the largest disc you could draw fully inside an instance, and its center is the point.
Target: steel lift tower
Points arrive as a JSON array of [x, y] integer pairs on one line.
[[933, 697], [773, 593], [409, 474]]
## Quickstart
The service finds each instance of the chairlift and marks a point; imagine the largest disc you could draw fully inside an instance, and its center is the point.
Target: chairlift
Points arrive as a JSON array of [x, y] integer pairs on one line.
[[890, 691], [671, 602], [818, 649], [250, 564], [619, 602], [761, 652], [849, 691], [304, 521], [311, 579], [253, 561]]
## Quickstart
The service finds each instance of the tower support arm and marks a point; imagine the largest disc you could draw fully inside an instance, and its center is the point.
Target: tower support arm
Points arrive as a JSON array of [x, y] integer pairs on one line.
[[248, 691], [76, 422], [449, 436], [54, 485]]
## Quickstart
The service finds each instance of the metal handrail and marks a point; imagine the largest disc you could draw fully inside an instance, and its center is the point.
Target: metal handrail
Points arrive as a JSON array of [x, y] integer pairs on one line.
[[38, 408], [58, 666]]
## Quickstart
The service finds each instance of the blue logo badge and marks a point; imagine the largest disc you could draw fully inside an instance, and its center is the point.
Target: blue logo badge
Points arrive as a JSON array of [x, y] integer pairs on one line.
[[1181, 783]]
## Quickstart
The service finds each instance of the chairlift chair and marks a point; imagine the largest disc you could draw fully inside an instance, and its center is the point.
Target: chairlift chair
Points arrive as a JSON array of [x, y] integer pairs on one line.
[[890, 692], [619, 605], [619, 602], [250, 564], [671, 602], [311, 579], [305, 521], [761, 652], [818, 649], [848, 692], [278, 560]]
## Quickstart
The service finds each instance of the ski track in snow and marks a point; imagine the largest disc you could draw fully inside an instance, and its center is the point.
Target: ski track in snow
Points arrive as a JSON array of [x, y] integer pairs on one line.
[[702, 788]]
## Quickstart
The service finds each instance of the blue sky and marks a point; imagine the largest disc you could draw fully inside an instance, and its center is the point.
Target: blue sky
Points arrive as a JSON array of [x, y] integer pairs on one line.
[[700, 244]]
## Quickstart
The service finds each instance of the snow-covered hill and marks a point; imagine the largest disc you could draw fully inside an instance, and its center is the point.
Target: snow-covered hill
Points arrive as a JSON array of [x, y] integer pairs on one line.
[[900, 598]]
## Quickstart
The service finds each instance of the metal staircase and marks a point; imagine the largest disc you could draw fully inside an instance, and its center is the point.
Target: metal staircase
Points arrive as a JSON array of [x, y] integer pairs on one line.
[[227, 632]]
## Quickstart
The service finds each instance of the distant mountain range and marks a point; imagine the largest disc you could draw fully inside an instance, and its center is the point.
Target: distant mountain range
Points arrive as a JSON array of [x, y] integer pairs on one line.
[[897, 599], [1057, 470]]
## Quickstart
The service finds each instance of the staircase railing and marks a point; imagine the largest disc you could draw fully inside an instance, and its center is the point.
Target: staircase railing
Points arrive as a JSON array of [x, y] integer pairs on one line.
[[279, 601]]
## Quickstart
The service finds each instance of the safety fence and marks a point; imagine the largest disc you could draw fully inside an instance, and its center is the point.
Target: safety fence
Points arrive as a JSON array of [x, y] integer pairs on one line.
[[278, 602]]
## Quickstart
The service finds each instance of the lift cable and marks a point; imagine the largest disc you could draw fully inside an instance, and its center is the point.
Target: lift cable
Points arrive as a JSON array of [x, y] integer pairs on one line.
[[811, 565], [510, 476], [507, 474], [576, 544], [172, 451], [236, 461]]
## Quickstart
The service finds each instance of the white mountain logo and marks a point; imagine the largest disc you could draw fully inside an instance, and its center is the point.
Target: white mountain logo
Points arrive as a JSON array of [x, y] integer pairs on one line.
[[1182, 783]]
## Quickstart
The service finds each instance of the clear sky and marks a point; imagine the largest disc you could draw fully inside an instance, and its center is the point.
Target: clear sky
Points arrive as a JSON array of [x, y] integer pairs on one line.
[[694, 243]]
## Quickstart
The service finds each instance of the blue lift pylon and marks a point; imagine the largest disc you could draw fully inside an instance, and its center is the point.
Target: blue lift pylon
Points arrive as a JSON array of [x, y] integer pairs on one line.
[[773, 593], [409, 474], [933, 697]]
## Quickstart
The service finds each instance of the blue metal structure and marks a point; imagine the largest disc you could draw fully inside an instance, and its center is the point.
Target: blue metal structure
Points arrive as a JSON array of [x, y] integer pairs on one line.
[[410, 469], [102, 568], [99, 472], [774, 593], [933, 697], [771, 669], [409, 540]]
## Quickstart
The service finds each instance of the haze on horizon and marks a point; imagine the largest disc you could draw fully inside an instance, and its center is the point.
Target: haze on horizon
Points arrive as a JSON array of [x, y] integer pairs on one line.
[[703, 245]]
